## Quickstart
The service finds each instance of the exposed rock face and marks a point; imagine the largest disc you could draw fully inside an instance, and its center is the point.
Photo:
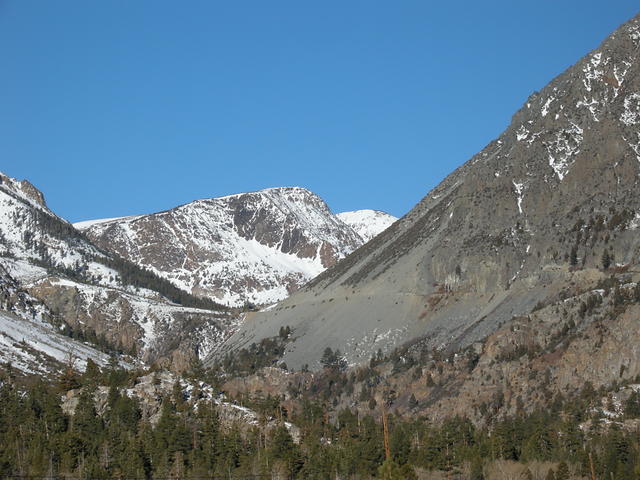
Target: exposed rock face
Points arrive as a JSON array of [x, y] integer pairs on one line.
[[252, 247], [30, 337], [24, 189], [501, 233], [151, 328], [72, 283], [588, 338]]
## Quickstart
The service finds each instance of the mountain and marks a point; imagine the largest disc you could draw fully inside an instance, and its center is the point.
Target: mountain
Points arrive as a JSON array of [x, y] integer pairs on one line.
[[367, 223], [253, 248], [92, 295], [547, 208], [29, 339]]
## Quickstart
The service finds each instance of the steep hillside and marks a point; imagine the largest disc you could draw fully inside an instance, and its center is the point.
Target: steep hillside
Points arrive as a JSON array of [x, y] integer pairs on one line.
[[556, 192], [97, 295], [32, 339], [247, 248]]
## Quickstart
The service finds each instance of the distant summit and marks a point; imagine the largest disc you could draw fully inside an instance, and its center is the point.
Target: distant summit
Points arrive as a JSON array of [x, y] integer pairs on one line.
[[367, 223], [253, 247]]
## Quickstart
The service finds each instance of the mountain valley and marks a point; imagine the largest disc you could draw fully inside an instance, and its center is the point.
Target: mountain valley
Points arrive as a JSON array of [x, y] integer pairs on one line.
[[492, 332]]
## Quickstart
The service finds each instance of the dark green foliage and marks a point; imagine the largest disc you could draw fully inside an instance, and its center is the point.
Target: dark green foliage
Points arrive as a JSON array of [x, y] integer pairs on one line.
[[332, 360], [284, 332], [573, 256], [91, 373], [136, 276], [389, 470], [40, 440], [247, 361], [476, 472], [632, 406]]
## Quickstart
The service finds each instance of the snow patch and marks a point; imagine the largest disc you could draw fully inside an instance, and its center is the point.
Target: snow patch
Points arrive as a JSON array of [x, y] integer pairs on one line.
[[90, 223], [591, 71], [545, 108], [634, 146], [634, 33], [635, 223], [220, 251], [590, 105], [631, 114], [563, 148], [22, 342], [522, 133], [519, 188]]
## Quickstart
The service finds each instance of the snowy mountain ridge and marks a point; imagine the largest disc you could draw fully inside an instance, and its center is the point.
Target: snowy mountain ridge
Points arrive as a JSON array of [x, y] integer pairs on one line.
[[70, 283], [367, 223], [254, 247]]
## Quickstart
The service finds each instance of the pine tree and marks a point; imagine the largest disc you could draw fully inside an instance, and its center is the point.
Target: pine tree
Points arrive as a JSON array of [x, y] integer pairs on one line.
[[632, 406], [329, 358], [476, 469], [563, 471], [389, 470], [208, 438], [87, 425], [91, 373], [573, 257], [69, 379], [606, 259]]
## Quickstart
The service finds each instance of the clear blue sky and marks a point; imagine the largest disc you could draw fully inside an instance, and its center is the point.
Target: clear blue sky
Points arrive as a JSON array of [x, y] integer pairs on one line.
[[118, 107]]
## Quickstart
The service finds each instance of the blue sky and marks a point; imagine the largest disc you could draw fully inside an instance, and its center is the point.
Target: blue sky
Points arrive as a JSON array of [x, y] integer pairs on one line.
[[122, 107]]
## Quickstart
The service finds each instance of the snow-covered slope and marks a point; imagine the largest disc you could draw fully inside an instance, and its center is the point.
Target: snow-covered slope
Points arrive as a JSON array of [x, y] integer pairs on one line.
[[31, 339], [246, 248], [79, 287], [367, 223], [33, 346]]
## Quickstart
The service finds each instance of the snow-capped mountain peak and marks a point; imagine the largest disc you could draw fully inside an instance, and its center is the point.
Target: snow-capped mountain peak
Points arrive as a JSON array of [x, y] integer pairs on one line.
[[254, 247], [367, 223]]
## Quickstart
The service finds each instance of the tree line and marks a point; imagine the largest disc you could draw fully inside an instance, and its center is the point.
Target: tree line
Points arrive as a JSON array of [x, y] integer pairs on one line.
[[38, 439]]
